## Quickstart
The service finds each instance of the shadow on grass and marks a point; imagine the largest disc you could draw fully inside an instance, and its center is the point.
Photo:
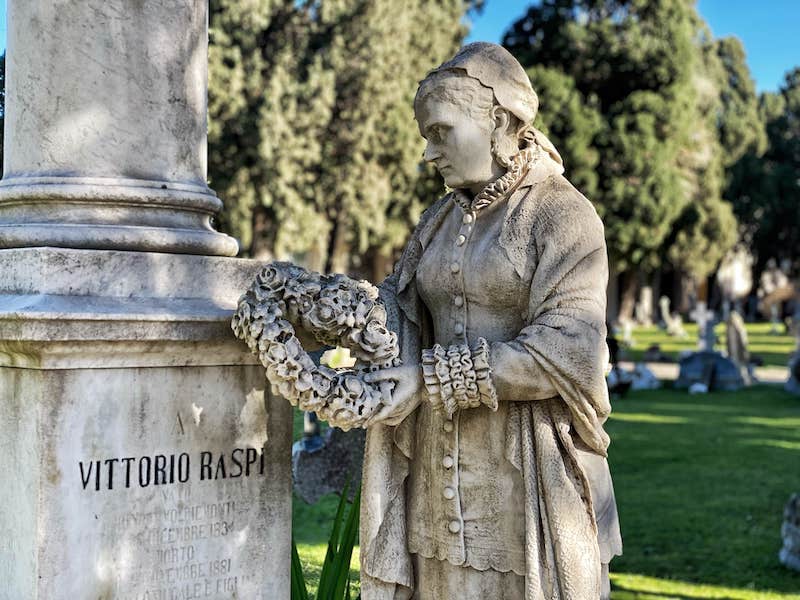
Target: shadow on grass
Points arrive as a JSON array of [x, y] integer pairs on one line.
[[701, 482]]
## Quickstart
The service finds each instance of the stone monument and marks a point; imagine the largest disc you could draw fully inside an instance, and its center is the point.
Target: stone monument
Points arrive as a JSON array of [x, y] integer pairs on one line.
[[673, 323], [143, 457], [707, 370], [705, 319], [736, 345], [644, 307], [774, 289], [789, 554], [793, 382]]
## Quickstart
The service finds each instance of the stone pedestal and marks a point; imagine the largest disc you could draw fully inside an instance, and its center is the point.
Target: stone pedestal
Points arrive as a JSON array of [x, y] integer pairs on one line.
[[142, 459]]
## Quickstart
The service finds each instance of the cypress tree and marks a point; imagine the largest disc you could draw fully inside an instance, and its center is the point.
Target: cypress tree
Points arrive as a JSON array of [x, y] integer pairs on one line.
[[313, 143], [647, 78]]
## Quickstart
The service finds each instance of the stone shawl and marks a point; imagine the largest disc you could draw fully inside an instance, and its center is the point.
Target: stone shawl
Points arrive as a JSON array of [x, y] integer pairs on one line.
[[553, 238]]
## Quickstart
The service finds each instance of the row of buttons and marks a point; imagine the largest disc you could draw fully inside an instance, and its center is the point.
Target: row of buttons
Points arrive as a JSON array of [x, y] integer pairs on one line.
[[458, 300], [449, 492]]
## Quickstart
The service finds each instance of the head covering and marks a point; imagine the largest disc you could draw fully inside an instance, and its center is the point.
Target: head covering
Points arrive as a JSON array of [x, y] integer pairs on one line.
[[497, 69]]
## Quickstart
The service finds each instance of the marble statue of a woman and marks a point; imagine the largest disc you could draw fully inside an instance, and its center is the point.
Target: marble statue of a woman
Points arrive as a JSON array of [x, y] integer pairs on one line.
[[485, 476], [481, 381]]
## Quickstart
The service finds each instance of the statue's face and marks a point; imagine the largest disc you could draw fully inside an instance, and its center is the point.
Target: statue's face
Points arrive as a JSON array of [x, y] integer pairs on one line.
[[459, 145]]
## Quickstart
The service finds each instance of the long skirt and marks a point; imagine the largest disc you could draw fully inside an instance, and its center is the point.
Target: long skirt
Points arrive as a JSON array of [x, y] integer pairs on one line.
[[440, 580]]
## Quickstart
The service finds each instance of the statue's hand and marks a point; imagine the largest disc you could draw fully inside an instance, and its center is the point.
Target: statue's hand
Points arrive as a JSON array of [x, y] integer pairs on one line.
[[406, 395]]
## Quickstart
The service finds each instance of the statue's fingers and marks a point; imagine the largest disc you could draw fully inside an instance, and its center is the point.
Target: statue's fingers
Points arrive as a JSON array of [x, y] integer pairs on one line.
[[392, 373]]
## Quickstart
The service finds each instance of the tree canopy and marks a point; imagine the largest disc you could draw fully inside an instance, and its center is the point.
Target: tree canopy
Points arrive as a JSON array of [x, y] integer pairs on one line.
[[765, 185], [644, 106], [312, 140]]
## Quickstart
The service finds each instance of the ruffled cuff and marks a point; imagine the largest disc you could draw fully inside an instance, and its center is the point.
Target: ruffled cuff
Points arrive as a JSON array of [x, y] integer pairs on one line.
[[459, 377]]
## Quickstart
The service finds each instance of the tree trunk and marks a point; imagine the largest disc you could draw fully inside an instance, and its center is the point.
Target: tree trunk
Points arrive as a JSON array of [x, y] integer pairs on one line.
[[382, 264], [630, 283], [338, 249], [262, 244]]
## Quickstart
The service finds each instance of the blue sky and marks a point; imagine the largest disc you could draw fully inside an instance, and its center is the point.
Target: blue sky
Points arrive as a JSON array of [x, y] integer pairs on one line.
[[768, 29]]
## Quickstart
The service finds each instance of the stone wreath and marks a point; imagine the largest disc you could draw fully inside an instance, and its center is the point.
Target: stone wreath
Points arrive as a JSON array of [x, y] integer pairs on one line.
[[336, 311]]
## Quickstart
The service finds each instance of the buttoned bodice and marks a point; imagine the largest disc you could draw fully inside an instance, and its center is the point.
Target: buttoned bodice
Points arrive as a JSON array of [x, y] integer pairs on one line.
[[467, 282], [466, 501]]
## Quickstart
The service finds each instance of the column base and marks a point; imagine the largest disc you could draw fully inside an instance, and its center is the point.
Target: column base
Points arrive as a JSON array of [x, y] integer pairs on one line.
[[111, 214]]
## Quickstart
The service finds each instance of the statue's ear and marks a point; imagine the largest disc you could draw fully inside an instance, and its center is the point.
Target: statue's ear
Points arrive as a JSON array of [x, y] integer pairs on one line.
[[504, 140], [502, 120]]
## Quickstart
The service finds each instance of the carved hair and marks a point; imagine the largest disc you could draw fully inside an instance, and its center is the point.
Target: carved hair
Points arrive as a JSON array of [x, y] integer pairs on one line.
[[478, 102]]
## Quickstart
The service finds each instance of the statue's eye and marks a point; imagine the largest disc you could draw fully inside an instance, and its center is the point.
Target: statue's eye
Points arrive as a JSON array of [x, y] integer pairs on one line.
[[436, 133]]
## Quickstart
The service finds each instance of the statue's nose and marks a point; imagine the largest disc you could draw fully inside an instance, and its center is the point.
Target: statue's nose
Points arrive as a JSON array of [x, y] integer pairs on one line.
[[431, 153]]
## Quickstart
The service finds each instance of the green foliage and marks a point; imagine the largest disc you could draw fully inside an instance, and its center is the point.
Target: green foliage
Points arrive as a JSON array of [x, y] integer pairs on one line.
[[741, 126], [312, 140], [334, 579], [642, 101], [565, 116], [765, 188]]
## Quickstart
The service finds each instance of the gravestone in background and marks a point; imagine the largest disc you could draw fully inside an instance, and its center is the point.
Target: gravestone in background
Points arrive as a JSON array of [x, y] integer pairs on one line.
[[714, 371], [143, 458]]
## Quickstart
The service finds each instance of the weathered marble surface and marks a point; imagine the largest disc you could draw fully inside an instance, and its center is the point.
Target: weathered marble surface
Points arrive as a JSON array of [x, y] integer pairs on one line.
[[789, 553], [105, 144], [141, 454], [485, 475]]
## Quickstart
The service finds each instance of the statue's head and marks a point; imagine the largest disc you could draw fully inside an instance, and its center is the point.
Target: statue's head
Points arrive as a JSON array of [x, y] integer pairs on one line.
[[476, 113]]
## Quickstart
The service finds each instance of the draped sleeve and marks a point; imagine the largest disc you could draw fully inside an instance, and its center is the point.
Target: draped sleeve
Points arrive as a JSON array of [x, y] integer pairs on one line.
[[556, 233]]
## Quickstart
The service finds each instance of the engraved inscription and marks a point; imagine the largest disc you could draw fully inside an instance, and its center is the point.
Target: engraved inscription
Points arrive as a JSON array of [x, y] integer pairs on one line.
[[161, 469]]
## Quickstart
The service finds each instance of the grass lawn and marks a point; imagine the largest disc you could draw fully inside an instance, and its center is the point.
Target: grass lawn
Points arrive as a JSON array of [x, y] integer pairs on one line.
[[701, 482], [773, 349]]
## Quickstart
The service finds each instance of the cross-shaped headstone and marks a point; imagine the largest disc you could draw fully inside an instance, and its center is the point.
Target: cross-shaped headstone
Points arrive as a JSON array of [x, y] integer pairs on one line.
[[705, 326]]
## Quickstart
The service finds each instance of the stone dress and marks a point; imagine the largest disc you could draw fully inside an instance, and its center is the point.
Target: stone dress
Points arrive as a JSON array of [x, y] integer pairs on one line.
[[465, 498], [461, 481]]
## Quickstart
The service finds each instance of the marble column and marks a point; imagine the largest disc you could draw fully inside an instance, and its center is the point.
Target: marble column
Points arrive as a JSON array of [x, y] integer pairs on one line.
[[105, 141], [143, 456]]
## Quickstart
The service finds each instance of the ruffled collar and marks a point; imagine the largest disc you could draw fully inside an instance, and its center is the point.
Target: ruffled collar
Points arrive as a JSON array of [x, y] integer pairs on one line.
[[499, 188]]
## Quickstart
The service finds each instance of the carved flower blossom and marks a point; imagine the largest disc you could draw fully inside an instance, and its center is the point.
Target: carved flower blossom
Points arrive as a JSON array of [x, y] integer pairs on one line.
[[376, 342], [269, 283]]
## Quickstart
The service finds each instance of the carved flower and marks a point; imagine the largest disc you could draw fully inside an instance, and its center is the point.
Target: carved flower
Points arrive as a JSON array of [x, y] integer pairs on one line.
[[368, 290], [299, 295], [323, 380], [304, 381], [336, 310], [277, 331], [241, 318], [374, 343], [324, 317], [269, 282], [362, 312]]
